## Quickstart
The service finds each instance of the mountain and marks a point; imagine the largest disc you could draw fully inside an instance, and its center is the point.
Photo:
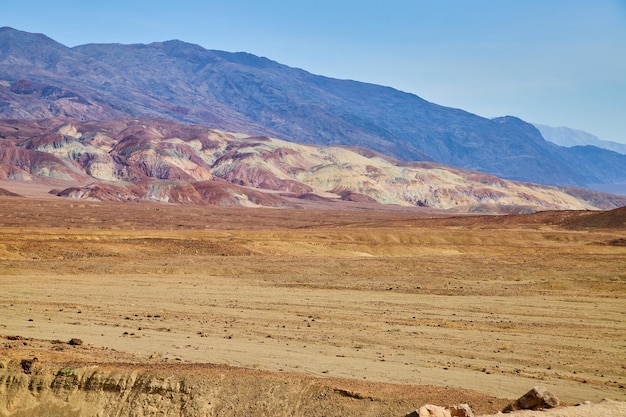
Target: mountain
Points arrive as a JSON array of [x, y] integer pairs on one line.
[[565, 136], [239, 92], [149, 160]]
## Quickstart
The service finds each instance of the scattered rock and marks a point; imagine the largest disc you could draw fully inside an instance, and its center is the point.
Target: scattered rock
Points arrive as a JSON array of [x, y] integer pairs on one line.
[[30, 365], [535, 399], [75, 342]]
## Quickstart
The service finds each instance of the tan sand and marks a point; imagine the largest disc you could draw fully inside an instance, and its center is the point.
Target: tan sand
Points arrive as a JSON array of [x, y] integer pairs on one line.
[[385, 298]]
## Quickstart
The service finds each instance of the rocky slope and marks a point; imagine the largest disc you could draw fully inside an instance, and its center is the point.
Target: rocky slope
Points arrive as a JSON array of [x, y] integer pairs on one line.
[[148, 160], [75, 381], [240, 92], [85, 381]]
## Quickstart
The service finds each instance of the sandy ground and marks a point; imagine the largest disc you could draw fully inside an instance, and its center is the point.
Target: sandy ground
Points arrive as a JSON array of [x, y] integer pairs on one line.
[[479, 304]]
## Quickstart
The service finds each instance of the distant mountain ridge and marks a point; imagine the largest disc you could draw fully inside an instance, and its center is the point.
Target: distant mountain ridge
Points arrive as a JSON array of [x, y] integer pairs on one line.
[[240, 92], [565, 136]]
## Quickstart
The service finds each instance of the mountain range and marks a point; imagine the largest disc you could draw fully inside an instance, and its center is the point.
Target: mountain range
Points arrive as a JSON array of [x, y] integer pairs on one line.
[[240, 92], [568, 137], [137, 160]]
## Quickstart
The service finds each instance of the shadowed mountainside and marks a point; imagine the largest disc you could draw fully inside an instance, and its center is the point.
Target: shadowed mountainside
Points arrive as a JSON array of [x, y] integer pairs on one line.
[[241, 92]]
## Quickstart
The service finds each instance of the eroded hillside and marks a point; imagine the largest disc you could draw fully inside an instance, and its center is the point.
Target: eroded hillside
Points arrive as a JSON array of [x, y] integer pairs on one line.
[[147, 160]]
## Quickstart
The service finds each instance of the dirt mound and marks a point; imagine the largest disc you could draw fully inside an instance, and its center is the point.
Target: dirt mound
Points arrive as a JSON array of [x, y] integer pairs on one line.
[[618, 242], [7, 193], [566, 219], [612, 219], [357, 197]]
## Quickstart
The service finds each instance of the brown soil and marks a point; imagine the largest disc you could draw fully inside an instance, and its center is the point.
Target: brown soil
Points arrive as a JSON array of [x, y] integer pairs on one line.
[[379, 311]]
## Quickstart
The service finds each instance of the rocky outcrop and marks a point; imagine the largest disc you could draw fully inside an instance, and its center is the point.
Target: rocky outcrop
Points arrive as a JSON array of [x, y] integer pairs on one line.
[[430, 410], [92, 391], [179, 391], [29, 365]]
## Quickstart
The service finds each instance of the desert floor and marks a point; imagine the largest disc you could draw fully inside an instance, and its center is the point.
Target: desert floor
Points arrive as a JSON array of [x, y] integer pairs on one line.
[[487, 303]]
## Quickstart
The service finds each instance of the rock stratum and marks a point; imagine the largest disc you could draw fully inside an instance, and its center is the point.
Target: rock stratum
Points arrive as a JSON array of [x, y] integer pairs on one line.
[[149, 160]]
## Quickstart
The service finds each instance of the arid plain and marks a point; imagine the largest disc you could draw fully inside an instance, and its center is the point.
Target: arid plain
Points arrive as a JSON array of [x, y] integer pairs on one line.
[[406, 307]]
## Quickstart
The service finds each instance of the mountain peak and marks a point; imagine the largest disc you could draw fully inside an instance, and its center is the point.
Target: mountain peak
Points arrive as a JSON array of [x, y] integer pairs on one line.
[[18, 47], [519, 124], [11, 35]]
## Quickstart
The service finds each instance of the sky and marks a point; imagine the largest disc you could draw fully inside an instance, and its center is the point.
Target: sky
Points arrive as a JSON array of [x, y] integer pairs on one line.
[[554, 62]]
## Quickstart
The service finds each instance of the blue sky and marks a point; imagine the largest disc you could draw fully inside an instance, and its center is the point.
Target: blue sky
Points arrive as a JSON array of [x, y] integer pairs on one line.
[[555, 62]]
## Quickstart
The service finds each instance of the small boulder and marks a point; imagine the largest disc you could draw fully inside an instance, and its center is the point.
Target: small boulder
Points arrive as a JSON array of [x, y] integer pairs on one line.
[[461, 410], [535, 399], [430, 410]]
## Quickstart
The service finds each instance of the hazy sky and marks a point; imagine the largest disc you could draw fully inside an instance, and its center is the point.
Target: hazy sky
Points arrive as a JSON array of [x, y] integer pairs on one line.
[[555, 62]]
